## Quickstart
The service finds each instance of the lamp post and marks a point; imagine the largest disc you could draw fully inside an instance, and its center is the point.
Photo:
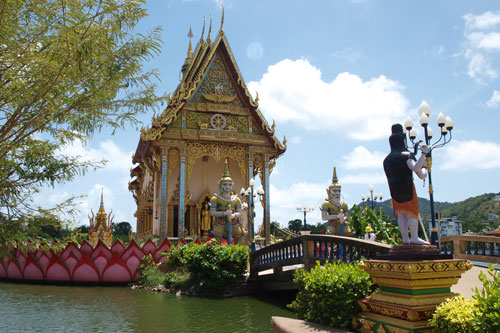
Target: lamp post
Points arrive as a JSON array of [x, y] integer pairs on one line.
[[249, 196], [372, 197], [445, 125], [305, 209]]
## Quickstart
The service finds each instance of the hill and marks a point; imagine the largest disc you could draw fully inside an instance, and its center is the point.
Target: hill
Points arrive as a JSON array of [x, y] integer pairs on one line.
[[477, 213]]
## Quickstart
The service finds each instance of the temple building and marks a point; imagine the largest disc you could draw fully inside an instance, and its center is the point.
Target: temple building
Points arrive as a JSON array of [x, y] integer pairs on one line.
[[210, 117], [101, 226]]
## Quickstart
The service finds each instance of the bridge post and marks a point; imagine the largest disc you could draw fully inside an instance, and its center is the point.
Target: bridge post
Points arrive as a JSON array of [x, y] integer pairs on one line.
[[308, 250]]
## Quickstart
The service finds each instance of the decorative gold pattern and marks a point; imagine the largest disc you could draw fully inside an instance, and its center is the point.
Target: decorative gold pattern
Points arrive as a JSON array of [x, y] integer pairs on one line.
[[217, 85], [173, 161], [217, 152]]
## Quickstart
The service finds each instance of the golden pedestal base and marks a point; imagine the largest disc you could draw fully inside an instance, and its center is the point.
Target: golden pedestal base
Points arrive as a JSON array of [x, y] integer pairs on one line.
[[409, 293]]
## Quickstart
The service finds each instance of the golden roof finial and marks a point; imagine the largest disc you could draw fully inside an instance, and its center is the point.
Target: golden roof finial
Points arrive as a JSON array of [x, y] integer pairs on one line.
[[202, 31], [101, 207], [221, 32], [190, 48], [209, 31]]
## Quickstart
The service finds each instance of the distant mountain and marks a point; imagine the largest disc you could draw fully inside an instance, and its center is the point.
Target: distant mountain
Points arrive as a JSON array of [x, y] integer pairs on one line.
[[478, 213]]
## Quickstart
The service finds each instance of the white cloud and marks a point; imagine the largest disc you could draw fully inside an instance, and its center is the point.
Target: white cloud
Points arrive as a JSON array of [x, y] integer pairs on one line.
[[296, 140], [293, 91], [362, 158], [468, 155], [365, 178], [483, 21], [284, 202], [494, 101], [118, 160], [482, 44]]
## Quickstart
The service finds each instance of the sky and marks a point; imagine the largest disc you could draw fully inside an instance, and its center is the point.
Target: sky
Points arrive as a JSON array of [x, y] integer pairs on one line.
[[334, 75]]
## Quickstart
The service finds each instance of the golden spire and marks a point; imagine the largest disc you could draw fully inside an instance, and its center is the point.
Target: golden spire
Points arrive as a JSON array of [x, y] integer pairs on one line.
[[209, 31], [202, 31], [221, 31], [189, 57], [335, 180], [190, 48], [101, 207], [226, 177]]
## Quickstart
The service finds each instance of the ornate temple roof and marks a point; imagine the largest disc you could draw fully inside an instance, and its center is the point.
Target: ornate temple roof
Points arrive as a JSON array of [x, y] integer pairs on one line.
[[194, 72]]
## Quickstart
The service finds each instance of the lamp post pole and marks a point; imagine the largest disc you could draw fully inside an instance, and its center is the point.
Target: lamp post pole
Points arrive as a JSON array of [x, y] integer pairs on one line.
[[249, 196], [305, 209], [446, 125], [372, 197]]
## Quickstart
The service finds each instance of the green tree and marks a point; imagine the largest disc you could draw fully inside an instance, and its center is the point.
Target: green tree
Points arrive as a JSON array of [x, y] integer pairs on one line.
[[68, 68], [385, 230], [295, 225]]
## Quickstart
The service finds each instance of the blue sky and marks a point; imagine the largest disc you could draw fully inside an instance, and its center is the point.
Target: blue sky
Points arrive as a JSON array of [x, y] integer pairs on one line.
[[334, 75]]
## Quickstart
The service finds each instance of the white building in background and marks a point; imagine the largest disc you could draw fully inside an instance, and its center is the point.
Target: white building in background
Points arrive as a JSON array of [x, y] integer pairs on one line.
[[448, 226]]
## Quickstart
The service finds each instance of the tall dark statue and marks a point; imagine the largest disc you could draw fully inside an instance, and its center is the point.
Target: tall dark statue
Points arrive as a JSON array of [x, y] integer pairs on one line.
[[398, 167]]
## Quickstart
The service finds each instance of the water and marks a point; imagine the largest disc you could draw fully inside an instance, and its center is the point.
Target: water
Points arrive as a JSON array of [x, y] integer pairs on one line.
[[46, 308]]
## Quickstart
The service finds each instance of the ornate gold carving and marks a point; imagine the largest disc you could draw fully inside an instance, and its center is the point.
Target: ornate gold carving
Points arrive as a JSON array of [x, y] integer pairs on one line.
[[217, 152], [173, 161], [217, 85]]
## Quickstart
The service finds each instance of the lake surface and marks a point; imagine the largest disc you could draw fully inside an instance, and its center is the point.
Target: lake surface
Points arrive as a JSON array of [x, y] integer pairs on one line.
[[47, 308]]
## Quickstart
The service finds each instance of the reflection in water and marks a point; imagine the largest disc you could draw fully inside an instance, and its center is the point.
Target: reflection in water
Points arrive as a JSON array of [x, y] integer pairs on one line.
[[43, 308]]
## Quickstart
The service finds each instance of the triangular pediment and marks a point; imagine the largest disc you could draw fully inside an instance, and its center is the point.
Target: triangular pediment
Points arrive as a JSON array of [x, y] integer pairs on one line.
[[212, 83], [218, 86]]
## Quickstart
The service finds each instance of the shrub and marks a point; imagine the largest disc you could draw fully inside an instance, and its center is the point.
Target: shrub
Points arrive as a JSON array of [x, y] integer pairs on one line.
[[328, 295], [456, 314], [177, 280], [488, 302], [149, 273], [213, 267]]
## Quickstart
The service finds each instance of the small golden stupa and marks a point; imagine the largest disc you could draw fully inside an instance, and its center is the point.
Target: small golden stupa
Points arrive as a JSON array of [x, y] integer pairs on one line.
[[101, 226]]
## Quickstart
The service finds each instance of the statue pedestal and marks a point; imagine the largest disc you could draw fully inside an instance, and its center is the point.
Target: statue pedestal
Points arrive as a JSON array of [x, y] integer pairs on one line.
[[409, 291]]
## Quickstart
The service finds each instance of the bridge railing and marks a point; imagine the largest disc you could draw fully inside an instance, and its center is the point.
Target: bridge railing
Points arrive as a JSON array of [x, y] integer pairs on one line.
[[308, 249], [472, 247]]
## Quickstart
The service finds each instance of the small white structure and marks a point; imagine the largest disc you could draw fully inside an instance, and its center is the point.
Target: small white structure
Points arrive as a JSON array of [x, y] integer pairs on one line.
[[448, 226]]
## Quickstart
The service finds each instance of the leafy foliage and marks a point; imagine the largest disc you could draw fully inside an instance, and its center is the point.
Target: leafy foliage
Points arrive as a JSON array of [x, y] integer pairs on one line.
[[481, 314], [385, 230], [214, 267], [456, 314], [149, 273], [67, 69], [295, 225], [488, 302], [328, 295], [474, 212]]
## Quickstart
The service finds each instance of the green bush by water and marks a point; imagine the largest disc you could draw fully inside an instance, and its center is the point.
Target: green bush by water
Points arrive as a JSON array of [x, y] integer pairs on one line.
[[328, 294], [149, 273], [214, 267], [207, 268]]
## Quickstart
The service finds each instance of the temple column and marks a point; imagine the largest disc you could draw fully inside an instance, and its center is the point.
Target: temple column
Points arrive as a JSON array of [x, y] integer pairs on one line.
[[182, 194], [250, 203], [267, 207], [163, 195]]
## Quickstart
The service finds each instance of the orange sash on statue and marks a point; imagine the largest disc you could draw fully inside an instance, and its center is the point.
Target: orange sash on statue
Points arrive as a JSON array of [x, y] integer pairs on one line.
[[408, 207]]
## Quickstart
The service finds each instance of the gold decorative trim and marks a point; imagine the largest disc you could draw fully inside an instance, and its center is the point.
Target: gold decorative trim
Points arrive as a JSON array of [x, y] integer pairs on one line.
[[217, 152]]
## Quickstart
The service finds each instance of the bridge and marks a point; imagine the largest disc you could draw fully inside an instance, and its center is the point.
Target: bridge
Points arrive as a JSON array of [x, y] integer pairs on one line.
[[472, 247], [272, 267]]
